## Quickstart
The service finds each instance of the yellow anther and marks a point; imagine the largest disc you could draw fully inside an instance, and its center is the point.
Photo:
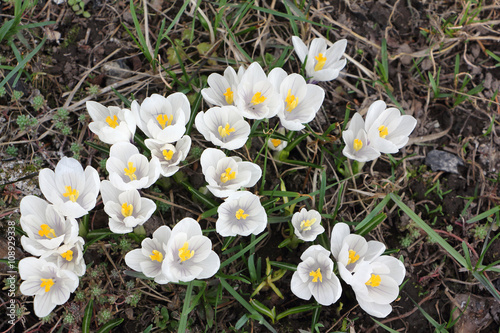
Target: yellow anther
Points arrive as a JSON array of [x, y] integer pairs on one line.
[[45, 231], [112, 122], [130, 171], [258, 98], [167, 154], [127, 209], [68, 255], [305, 225], [71, 193], [47, 283], [227, 175], [353, 257], [184, 253], [276, 142], [291, 101], [240, 214], [374, 281], [225, 131], [229, 96], [383, 131], [320, 62], [316, 274], [165, 120], [358, 144], [156, 256]]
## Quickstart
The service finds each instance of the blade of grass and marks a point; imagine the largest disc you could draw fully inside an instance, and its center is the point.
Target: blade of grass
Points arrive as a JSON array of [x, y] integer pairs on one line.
[[185, 309], [87, 317], [243, 251]]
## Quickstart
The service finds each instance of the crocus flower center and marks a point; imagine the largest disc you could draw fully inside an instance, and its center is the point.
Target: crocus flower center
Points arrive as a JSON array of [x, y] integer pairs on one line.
[[112, 122], [130, 171], [276, 142], [71, 193], [353, 257], [226, 130], [227, 175], [374, 281], [358, 144], [305, 225], [258, 98], [383, 131], [167, 154], [184, 253], [291, 101], [165, 120], [47, 283], [127, 209], [157, 256], [316, 275], [320, 62], [68, 255], [240, 214], [45, 231], [229, 96]]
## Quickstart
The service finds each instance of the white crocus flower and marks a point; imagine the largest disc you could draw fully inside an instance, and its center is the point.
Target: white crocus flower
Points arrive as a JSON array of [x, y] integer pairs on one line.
[[322, 64], [307, 224], [301, 101], [241, 214], [357, 144], [50, 285], [387, 129], [71, 190], [149, 258], [222, 89], [68, 256], [126, 209], [128, 169], [351, 250], [111, 124], [226, 175], [376, 284], [168, 155], [277, 144], [315, 277], [45, 227], [163, 118], [257, 97], [189, 254], [223, 126]]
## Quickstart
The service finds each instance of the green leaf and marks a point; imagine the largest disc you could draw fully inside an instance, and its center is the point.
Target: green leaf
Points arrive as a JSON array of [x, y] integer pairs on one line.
[[372, 220], [484, 214], [185, 309], [109, 325], [298, 309], [243, 251], [87, 317], [264, 309]]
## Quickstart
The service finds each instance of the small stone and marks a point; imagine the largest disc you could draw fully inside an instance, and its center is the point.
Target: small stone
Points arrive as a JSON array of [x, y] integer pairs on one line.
[[440, 160]]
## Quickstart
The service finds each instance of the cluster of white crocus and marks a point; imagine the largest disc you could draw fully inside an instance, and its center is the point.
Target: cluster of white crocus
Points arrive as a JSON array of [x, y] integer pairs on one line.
[[181, 254], [385, 130], [375, 278], [52, 233]]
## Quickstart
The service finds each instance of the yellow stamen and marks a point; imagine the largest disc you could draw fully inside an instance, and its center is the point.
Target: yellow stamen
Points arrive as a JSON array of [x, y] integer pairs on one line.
[[68, 255], [184, 253], [383, 131], [47, 283], [240, 214], [127, 209], [305, 225], [291, 101], [316, 274], [229, 96], [165, 120], [258, 98], [276, 142], [130, 171], [227, 175], [320, 62], [71, 193], [353, 257], [45, 231], [156, 256], [358, 144], [374, 281], [225, 131], [167, 154], [112, 122]]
